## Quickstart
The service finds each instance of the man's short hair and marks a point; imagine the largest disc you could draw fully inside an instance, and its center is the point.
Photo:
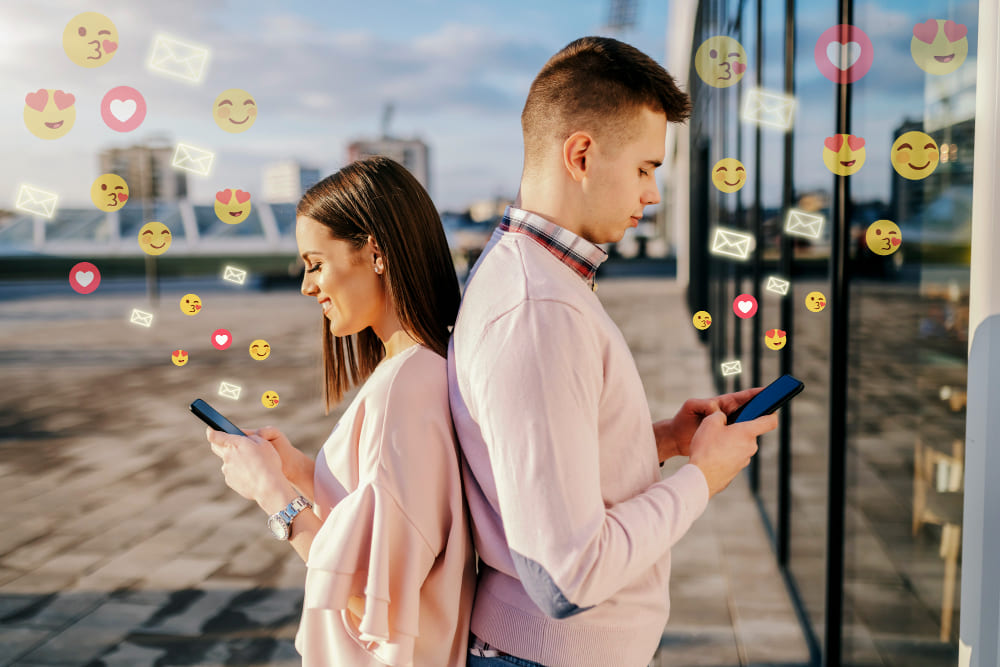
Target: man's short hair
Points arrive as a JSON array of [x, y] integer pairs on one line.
[[598, 85]]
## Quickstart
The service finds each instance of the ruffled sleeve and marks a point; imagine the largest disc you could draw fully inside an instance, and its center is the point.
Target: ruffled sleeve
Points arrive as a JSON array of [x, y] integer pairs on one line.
[[369, 550]]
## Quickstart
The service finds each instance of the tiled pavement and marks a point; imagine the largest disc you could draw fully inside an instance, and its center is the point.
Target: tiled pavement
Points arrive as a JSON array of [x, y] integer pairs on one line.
[[124, 547]]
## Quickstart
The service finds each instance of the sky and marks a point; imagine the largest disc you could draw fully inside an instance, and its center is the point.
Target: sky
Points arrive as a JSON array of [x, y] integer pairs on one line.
[[456, 73]]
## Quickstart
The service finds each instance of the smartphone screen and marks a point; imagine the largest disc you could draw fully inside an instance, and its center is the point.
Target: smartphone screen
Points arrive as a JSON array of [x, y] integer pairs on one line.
[[772, 397], [214, 418]]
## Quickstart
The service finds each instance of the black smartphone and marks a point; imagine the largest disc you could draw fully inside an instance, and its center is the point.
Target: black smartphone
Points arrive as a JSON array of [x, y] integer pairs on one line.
[[214, 418], [772, 397]]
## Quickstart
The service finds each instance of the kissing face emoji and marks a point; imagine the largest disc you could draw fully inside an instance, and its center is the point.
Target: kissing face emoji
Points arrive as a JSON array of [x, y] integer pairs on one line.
[[49, 113], [702, 320], [815, 302], [729, 175], [109, 192], [90, 39], [269, 399], [190, 304], [720, 61], [234, 110], [939, 46], [154, 238], [914, 155], [775, 339], [844, 154], [232, 206], [179, 357], [883, 237], [260, 350]]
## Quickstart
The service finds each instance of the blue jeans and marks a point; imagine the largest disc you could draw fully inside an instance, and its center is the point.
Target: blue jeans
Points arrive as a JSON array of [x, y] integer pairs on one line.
[[502, 661]]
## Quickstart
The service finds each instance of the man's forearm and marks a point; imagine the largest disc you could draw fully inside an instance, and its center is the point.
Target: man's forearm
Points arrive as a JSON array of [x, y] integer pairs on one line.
[[666, 444]]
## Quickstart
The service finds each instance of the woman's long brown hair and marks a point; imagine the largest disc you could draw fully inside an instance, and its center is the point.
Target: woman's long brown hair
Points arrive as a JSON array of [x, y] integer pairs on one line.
[[379, 197]]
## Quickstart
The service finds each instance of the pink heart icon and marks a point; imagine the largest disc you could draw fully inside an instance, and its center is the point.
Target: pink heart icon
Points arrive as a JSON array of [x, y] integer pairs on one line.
[[926, 31], [224, 196], [896, 241], [739, 68], [109, 46], [64, 100], [855, 142], [242, 197], [834, 143], [38, 99], [954, 31]]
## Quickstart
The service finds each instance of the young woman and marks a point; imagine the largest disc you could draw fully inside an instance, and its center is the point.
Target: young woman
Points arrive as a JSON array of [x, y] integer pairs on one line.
[[379, 516]]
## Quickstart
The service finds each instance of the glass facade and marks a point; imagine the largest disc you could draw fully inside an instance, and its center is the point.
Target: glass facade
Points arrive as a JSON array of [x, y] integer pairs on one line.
[[861, 485]]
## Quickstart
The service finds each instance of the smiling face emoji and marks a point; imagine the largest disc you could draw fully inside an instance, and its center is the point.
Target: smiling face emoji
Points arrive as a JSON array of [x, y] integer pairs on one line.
[[234, 110], [260, 350], [154, 238], [939, 46], [49, 113], [190, 304], [914, 155], [269, 399], [232, 206], [702, 320], [844, 154], [883, 237], [729, 175], [720, 61], [90, 39], [179, 357], [109, 192], [775, 339], [815, 302]]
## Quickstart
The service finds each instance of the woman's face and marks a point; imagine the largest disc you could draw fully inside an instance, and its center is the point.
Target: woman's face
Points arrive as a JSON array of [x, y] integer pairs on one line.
[[341, 278]]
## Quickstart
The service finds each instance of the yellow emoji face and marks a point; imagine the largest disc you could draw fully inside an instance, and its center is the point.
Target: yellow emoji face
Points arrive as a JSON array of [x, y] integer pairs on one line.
[[815, 302], [844, 154], [914, 155], [49, 113], [269, 399], [232, 206], [939, 46], [109, 192], [190, 304], [90, 39], [234, 110], [260, 350], [729, 175], [154, 238], [720, 61], [702, 320], [883, 237], [775, 339], [179, 357]]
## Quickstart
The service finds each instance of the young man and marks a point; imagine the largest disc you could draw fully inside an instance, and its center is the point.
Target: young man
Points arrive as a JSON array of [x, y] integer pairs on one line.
[[571, 520]]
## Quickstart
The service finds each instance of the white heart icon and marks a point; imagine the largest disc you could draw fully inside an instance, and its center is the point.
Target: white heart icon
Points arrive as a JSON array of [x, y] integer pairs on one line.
[[122, 109], [843, 56], [745, 306], [221, 339], [84, 278]]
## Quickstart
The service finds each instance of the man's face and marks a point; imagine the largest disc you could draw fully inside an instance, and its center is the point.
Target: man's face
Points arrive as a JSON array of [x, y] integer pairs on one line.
[[619, 181]]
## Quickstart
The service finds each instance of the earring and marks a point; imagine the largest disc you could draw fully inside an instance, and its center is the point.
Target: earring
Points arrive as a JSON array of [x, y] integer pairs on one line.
[[378, 269]]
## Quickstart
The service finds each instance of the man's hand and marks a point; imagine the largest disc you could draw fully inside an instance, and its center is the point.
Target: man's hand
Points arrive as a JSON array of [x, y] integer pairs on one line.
[[721, 451], [673, 436]]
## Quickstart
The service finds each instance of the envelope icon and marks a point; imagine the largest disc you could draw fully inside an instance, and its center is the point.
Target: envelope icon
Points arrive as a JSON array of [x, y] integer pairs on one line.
[[732, 367], [193, 159], [141, 318], [229, 391], [234, 275], [731, 243], [800, 223], [771, 109], [177, 59], [35, 201], [777, 285]]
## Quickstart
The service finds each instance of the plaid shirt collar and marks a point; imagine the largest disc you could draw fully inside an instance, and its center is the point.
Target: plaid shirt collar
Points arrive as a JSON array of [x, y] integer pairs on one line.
[[575, 252]]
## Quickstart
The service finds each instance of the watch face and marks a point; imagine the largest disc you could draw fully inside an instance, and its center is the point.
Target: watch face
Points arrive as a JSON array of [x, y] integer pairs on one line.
[[277, 527]]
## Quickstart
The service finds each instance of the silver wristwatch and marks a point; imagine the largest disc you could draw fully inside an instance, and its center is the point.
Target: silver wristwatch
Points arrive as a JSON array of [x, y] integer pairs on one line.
[[280, 523]]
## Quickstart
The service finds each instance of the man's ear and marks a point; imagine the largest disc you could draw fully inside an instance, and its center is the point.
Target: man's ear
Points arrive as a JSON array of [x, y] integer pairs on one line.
[[576, 149]]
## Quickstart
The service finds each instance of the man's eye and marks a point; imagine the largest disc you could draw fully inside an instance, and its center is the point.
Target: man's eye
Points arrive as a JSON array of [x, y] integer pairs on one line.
[[644, 172], [314, 269]]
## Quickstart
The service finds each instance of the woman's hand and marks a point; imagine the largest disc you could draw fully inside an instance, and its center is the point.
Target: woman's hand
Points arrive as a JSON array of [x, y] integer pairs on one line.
[[252, 468], [295, 466]]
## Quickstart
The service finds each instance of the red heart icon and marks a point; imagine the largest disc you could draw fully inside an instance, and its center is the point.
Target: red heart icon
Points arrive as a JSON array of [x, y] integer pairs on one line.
[[109, 46], [38, 99], [242, 197], [834, 143], [197, 306], [122, 197], [896, 241], [739, 68], [926, 31], [954, 31], [63, 100], [224, 196], [855, 142]]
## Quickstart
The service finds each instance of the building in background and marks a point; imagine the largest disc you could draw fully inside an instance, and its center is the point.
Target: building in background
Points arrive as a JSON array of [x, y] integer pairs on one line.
[[413, 154], [285, 182], [147, 170]]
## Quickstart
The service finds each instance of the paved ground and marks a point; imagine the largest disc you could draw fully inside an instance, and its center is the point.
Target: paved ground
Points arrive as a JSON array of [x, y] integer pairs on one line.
[[124, 547]]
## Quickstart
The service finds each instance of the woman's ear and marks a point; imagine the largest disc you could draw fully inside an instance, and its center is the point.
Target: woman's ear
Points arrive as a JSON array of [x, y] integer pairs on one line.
[[378, 263]]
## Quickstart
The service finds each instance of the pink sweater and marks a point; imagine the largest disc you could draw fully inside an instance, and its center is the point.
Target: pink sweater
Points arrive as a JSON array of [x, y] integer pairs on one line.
[[571, 520], [391, 572]]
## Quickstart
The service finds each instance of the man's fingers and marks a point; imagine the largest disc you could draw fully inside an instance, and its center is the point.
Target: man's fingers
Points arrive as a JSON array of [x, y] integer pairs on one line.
[[736, 399], [761, 425]]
